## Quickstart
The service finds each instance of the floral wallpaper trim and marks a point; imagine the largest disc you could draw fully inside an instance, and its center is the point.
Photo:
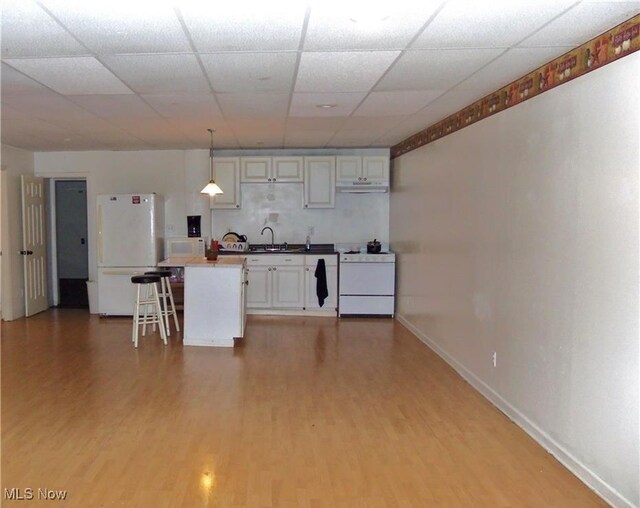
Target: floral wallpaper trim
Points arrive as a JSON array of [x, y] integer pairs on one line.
[[616, 43]]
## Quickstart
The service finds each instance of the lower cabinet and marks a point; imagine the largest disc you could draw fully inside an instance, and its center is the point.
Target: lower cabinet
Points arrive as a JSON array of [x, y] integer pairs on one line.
[[311, 283], [275, 281], [287, 283]]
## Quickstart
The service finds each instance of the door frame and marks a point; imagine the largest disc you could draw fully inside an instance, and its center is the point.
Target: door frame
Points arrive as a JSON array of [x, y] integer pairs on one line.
[[50, 182]]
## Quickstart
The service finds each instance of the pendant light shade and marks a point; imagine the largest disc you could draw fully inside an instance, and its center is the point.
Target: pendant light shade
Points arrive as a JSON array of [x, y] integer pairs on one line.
[[212, 187]]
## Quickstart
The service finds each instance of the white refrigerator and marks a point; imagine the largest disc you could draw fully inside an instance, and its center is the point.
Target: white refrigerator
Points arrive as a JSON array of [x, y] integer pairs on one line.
[[130, 242]]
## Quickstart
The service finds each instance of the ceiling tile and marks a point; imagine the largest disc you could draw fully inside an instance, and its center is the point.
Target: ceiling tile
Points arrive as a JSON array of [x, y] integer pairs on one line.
[[367, 25], [315, 123], [342, 72], [435, 69], [185, 106], [258, 105], [396, 103], [250, 72], [306, 104], [147, 74], [585, 21], [71, 75], [464, 24], [307, 139], [28, 31], [116, 108], [244, 25], [127, 27], [14, 82], [508, 67]]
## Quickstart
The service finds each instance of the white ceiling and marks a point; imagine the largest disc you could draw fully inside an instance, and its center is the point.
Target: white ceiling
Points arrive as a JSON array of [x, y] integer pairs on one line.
[[156, 74]]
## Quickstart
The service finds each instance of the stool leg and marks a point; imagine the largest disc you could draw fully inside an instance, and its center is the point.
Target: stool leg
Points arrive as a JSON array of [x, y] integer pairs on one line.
[[145, 319], [173, 307], [165, 309], [159, 314], [136, 317]]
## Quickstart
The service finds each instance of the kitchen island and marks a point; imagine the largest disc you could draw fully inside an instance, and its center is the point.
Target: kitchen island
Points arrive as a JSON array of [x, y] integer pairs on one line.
[[214, 299]]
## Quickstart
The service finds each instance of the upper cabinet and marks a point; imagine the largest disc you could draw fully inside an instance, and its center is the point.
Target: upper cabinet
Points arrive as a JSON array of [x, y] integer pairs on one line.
[[319, 182], [226, 173], [288, 169], [271, 169], [368, 169]]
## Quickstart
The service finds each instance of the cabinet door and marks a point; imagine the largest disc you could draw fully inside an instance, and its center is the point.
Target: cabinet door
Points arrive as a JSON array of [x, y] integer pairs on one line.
[[375, 168], [319, 182], [348, 168], [287, 169], [259, 287], [226, 172], [288, 287], [310, 284], [255, 169]]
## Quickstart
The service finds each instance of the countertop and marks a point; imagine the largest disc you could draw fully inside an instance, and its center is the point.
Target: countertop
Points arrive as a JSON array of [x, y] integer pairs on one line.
[[294, 248], [221, 262]]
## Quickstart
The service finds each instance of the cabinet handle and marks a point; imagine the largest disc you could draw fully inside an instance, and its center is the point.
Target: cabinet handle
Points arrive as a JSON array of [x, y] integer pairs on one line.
[[274, 180], [237, 206], [306, 206], [307, 269], [268, 179], [274, 268], [359, 178], [365, 178], [269, 268]]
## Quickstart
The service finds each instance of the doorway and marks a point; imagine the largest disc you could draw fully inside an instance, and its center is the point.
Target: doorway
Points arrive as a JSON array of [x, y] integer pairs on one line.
[[72, 265]]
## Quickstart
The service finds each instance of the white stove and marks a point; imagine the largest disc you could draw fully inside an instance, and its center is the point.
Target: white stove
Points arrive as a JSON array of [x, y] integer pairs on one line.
[[367, 284]]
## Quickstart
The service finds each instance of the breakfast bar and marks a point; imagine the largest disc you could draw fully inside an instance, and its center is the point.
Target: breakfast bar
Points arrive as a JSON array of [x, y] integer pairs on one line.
[[214, 299]]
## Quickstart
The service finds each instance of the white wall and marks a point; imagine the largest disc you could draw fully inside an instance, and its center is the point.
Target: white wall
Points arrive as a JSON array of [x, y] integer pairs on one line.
[[15, 162], [180, 175], [519, 235]]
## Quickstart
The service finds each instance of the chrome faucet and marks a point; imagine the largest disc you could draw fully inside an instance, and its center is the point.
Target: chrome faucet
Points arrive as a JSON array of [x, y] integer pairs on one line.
[[272, 239]]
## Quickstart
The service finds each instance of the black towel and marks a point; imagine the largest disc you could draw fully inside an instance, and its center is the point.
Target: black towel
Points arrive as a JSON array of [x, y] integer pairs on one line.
[[321, 282]]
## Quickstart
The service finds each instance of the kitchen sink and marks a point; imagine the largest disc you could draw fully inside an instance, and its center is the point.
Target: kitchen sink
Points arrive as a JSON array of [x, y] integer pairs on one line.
[[276, 248], [293, 248]]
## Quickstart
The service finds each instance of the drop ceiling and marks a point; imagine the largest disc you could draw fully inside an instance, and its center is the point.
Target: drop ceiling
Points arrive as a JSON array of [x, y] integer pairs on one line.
[[154, 74]]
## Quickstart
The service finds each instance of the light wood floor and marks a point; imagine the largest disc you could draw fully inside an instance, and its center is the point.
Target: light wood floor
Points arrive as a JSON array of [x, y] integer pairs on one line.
[[306, 412]]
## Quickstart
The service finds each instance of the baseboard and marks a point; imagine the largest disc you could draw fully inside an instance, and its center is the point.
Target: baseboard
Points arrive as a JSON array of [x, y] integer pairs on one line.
[[588, 477]]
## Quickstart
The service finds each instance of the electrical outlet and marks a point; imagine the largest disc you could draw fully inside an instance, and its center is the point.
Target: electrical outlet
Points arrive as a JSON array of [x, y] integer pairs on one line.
[[495, 359]]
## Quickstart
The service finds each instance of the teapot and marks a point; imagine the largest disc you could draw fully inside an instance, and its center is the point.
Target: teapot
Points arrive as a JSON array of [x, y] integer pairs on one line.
[[374, 247]]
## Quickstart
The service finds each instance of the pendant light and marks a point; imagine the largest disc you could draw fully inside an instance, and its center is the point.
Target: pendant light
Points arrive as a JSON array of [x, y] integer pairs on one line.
[[211, 188]]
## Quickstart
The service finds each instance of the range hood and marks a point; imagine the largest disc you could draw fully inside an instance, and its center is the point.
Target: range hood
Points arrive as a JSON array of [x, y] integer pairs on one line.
[[362, 188]]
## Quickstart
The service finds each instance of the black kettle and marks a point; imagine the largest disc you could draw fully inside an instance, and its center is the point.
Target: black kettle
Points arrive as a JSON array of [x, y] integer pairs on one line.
[[374, 247]]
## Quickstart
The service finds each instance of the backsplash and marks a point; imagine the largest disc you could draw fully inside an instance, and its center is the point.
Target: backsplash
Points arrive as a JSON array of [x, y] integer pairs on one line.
[[356, 218]]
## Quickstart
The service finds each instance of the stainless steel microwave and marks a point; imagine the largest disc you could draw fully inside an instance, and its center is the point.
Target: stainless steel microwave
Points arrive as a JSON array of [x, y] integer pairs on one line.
[[185, 246]]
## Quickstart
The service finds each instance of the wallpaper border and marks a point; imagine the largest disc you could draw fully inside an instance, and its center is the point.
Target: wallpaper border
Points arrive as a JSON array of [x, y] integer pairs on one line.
[[607, 47]]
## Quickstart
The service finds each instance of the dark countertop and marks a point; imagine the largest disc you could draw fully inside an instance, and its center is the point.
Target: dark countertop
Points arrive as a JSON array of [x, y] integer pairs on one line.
[[293, 248]]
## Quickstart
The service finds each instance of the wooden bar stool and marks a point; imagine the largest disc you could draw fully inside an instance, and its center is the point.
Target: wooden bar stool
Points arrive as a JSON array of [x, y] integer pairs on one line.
[[168, 307], [151, 312]]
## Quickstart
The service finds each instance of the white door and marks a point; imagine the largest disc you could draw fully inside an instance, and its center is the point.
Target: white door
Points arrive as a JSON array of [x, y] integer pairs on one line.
[[259, 287], [311, 285], [34, 246], [319, 182], [226, 172], [288, 287]]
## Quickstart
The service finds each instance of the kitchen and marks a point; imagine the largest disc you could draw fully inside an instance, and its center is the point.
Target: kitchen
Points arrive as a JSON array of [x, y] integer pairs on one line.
[[502, 232]]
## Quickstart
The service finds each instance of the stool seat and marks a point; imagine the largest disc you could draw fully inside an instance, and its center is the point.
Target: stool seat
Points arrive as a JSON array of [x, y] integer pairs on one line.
[[159, 273], [147, 278]]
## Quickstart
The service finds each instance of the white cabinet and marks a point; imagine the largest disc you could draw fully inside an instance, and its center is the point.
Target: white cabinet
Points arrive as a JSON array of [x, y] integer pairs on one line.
[[276, 281], [287, 169], [271, 169], [311, 283], [226, 173], [368, 169], [319, 182], [214, 306]]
